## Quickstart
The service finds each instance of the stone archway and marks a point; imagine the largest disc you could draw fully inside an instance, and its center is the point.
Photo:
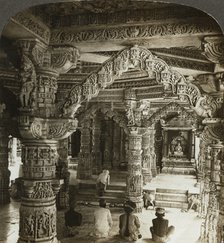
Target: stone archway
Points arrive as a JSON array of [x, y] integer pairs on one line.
[[143, 59]]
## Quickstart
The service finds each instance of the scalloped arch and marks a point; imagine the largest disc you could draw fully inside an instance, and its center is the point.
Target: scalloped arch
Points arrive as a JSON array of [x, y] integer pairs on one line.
[[171, 107], [143, 59]]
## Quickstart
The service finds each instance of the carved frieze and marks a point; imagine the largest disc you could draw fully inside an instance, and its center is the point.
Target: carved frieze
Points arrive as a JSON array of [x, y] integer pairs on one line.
[[129, 32], [41, 190], [37, 223]]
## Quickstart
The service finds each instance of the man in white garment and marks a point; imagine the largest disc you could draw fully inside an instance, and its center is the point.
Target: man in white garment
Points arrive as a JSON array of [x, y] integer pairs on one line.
[[102, 181], [102, 220]]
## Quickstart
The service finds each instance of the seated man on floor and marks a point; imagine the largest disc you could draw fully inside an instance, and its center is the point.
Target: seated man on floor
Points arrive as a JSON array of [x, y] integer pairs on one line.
[[102, 220], [148, 199], [160, 231], [72, 220], [129, 224]]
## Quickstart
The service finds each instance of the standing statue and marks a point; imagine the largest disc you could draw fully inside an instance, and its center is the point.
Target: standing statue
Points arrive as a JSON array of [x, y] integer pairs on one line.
[[28, 79]]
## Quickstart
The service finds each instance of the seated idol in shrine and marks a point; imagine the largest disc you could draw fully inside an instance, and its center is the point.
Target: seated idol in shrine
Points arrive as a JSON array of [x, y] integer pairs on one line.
[[178, 146], [178, 150]]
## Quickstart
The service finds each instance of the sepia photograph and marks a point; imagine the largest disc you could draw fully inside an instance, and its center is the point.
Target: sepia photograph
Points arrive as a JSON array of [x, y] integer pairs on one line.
[[111, 121]]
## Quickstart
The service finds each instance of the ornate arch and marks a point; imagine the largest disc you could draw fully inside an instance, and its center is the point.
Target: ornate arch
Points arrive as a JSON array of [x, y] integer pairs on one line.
[[119, 118], [165, 110], [143, 59]]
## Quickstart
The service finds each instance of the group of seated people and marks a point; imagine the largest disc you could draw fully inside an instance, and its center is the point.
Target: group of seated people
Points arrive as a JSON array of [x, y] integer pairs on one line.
[[129, 223]]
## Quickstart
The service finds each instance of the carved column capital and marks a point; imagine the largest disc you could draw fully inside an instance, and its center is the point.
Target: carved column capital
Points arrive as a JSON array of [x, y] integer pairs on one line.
[[214, 49], [40, 128], [60, 59]]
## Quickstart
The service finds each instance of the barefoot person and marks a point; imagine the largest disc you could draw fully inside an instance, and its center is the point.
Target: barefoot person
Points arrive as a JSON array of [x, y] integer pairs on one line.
[[160, 231]]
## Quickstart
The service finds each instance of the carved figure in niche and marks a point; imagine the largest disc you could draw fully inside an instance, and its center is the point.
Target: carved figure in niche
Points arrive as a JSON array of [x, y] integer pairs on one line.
[[42, 226], [28, 79], [178, 145], [134, 183]]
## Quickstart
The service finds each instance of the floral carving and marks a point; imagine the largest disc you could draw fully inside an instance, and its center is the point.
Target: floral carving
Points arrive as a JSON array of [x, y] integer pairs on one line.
[[129, 32]]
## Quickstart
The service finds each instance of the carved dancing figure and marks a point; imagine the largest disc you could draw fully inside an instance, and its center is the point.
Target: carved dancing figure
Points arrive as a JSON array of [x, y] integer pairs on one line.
[[28, 78]]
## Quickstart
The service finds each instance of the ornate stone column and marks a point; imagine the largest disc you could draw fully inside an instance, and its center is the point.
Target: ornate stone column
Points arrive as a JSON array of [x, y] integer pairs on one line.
[[116, 145], [212, 230], [4, 172], [85, 161], [220, 228], [62, 173], [41, 123], [108, 144], [39, 157], [134, 178], [146, 158], [152, 150], [96, 153]]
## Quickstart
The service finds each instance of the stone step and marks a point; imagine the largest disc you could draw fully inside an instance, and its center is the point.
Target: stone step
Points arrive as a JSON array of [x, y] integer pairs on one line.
[[84, 185], [112, 193], [178, 171], [95, 198], [167, 204], [171, 197], [172, 191]]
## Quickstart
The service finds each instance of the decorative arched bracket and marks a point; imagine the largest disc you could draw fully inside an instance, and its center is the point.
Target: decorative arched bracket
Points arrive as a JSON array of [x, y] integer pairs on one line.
[[142, 59]]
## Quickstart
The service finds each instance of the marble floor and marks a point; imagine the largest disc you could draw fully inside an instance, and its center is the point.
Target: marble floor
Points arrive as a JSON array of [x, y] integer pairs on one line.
[[187, 225]]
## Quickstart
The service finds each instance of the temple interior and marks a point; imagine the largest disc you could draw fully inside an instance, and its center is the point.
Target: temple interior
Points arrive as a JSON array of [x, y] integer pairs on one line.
[[132, 87]]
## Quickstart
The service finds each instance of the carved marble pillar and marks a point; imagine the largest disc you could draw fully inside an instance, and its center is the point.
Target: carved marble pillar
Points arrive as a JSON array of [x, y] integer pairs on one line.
[[41, 125], [152, 150], [62, 173], [96, 153], [38, 208], [146, 158], [116, 145], [4, 172], [134, 178], [108, 146], [40, 185], [212, 229], [220, 224], [84, 158]]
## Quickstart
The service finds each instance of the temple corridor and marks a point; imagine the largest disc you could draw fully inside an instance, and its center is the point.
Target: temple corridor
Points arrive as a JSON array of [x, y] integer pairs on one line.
[[129, 92]]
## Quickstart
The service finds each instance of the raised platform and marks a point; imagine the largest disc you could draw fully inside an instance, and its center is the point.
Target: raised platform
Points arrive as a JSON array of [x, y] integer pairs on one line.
[[179, 166]]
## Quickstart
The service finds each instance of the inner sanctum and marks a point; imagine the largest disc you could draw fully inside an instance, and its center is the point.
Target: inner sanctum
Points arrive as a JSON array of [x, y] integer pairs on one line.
[[134, 88]]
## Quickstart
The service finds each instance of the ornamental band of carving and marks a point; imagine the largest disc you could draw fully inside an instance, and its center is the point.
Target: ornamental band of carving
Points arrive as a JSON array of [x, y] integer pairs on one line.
[[128, 32]]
